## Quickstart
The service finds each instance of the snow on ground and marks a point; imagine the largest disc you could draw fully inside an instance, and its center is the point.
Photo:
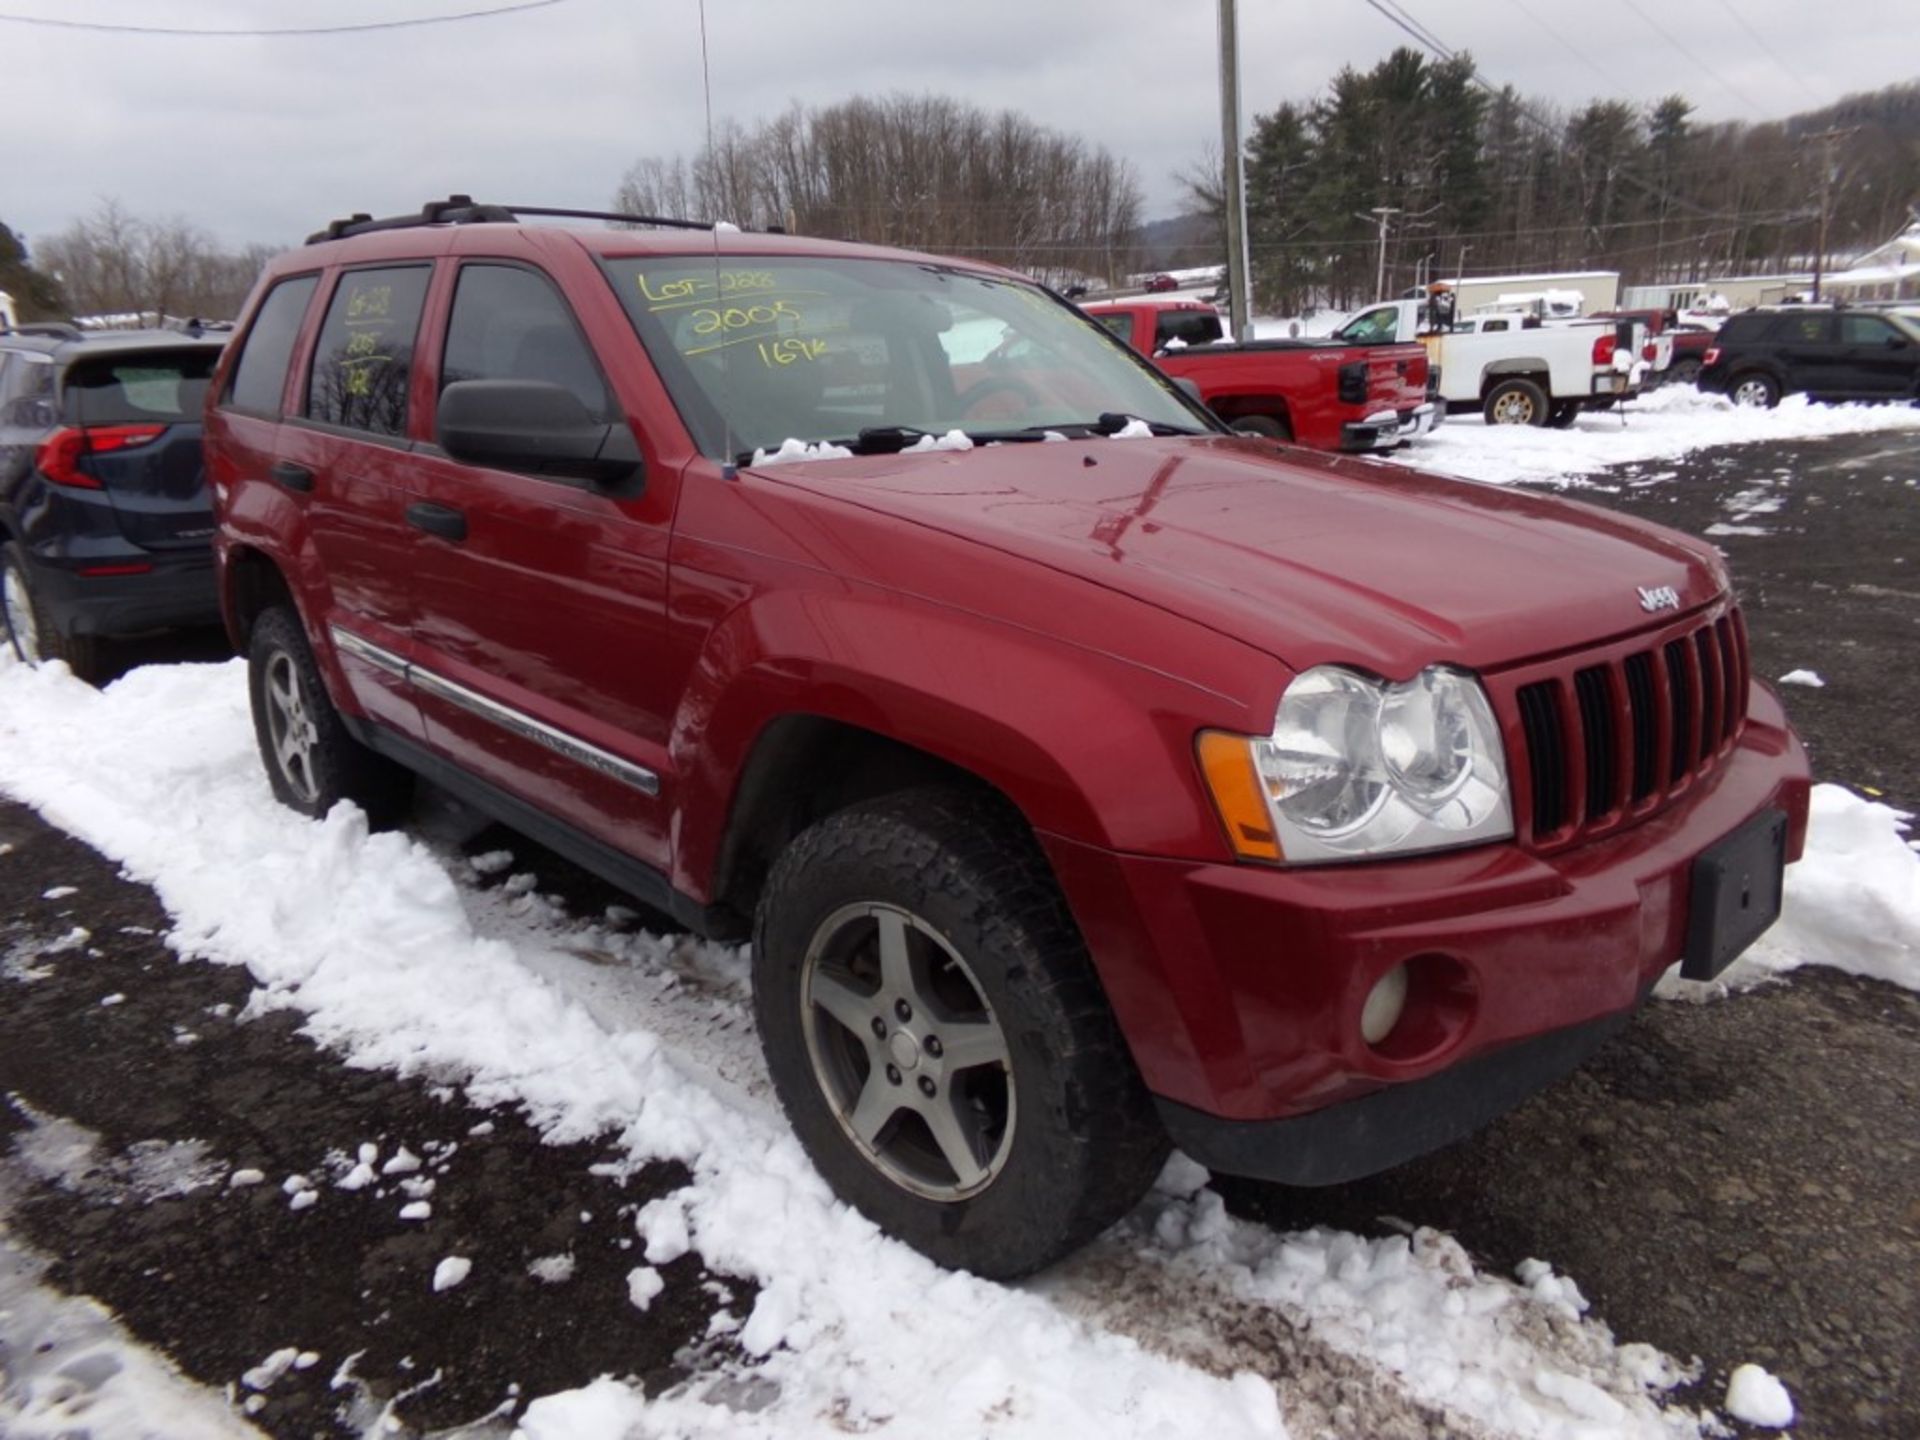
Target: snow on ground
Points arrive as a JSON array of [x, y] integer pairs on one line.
[[1853, 902], [67, 1369], [1661, 425], [374, 939]]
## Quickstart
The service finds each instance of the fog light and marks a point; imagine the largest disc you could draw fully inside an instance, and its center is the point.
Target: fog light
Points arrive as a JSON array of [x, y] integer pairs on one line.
[[1384, 1004]]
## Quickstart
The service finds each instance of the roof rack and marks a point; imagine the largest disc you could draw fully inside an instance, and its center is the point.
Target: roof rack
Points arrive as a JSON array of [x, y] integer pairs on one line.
[[463, 210]]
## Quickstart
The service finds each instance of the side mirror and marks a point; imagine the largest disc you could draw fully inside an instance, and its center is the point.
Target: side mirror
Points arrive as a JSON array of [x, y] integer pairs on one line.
[[1190, 388], [536, 428], [1896, 342]]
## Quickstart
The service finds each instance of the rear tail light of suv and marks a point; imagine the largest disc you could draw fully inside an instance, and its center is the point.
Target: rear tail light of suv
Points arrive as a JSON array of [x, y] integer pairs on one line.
[[1712, 356], [61, 452]]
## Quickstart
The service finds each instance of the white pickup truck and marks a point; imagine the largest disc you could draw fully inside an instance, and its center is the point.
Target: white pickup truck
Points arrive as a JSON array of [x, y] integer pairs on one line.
[[1514, 373]]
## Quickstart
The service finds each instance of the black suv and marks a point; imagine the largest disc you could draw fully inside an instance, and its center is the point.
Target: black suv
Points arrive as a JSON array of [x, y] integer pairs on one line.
[[103, 498], [1829, 354]]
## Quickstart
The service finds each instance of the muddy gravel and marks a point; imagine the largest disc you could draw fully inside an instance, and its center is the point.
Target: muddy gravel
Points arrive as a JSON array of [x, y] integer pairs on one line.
[[134, 1123], [1735, 1181]]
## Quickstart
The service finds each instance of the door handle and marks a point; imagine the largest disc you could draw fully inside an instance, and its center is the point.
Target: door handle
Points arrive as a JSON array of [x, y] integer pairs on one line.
[[290, 476], [442, 520]]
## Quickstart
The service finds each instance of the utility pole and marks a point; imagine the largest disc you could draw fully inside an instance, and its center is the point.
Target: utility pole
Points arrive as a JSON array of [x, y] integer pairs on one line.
[[1828, 175], [1383, 213], [1238, 307]]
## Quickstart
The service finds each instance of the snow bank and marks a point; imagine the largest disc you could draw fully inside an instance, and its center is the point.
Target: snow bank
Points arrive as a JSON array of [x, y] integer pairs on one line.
[[1671, 421], [372, 940], [1853, 903]]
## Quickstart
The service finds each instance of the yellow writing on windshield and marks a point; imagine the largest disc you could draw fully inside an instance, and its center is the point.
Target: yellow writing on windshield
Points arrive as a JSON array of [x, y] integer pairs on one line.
[[790, 351], [665, 294]]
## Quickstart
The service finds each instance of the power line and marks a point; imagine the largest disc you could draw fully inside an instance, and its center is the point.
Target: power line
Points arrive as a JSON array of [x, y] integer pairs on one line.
[[1774, 55], [102, 27], [1574, 50], [1558, 133], [1686, 54]]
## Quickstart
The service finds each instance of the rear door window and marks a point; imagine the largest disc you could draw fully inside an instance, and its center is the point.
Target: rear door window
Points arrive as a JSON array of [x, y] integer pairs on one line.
[[1119, 322], [363, 360], [150, 388], [1189, 327], [260, 379], [511, 324]]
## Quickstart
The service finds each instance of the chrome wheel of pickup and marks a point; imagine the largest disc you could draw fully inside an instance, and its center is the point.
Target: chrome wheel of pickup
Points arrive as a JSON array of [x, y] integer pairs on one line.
[[290, 727], [907, 1051]]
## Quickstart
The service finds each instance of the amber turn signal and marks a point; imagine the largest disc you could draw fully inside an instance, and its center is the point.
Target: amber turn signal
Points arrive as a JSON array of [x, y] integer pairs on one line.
[[1227, 762]]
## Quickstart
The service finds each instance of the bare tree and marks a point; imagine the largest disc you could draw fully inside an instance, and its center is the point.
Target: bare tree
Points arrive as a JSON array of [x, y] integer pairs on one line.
[[113, 262], [927, 172]]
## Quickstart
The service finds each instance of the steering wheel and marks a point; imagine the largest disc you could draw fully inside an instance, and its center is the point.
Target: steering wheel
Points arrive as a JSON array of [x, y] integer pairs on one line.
[[971, 397]]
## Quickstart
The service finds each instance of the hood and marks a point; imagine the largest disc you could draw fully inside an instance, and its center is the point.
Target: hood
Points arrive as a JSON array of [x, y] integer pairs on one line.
[[1312, 558]]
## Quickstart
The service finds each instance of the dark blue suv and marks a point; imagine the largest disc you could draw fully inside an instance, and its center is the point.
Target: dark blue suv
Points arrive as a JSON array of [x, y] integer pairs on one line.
[[103, 504]]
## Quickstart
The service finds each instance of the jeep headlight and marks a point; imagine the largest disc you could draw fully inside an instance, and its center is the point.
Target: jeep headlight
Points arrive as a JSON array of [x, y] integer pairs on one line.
[[1358, 767]]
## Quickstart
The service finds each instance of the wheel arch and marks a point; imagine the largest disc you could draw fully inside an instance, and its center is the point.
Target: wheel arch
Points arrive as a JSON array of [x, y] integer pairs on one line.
[[781, 792], [1246, 404], [1525, 368], [252, 583]]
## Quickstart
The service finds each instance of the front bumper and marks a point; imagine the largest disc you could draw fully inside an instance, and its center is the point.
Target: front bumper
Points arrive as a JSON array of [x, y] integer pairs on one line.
[[1386, 428], [1240, 987]]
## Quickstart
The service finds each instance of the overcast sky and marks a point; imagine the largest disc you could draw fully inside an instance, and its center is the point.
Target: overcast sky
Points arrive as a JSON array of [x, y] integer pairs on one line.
[[265, 139]]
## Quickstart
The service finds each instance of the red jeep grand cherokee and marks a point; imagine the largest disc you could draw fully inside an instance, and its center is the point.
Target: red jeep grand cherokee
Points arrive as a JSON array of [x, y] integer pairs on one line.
[[1085, 776]]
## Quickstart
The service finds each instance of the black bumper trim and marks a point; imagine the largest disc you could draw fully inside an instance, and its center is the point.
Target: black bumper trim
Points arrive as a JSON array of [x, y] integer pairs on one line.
[[1389, 1127], [179, 591]]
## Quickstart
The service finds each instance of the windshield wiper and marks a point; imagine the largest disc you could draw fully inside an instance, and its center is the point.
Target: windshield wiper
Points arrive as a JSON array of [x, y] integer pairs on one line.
[[1112, 422]]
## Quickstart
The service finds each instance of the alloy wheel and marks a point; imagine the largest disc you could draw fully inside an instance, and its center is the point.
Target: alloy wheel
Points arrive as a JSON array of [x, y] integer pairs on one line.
[[1752, 393], [907, 1051], [20, 618], [290, 726]]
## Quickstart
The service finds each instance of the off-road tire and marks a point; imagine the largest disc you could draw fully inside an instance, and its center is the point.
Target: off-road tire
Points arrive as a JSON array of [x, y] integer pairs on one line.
[[1516, 401], [1085, 1144], [1269, 427], [47, 641], [341, 768], [1764, 389]]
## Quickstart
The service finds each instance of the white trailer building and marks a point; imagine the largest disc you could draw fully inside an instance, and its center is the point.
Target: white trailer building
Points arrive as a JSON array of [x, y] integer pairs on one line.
[[1598, 289], [1741, 292]]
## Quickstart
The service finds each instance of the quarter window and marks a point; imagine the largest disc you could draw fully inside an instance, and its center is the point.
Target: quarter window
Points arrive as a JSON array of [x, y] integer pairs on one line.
[[511, 324], [1864, 330], [260, 377], [364, 359]]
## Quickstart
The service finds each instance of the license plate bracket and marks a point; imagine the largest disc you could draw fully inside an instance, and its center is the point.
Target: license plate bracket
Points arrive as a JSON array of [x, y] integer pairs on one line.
[[1736, 894]]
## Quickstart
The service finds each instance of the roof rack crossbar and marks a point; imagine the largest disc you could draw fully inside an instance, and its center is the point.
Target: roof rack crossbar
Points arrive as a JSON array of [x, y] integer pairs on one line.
[[462, 210], [662, 220]]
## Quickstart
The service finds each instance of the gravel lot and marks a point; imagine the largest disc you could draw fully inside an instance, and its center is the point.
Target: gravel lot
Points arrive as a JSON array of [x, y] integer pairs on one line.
[[1735, 1181]]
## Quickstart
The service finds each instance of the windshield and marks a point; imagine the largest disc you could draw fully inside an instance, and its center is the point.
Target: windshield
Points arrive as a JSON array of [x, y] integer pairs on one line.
[[872, 354]]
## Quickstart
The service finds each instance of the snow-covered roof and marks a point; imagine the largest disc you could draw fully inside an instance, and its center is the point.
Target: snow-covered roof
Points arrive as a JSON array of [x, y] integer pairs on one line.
[[1895, 260]]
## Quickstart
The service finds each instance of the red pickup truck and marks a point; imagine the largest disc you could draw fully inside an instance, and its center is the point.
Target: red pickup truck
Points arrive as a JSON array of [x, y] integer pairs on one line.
[[1322, 393], [1087, 778]]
